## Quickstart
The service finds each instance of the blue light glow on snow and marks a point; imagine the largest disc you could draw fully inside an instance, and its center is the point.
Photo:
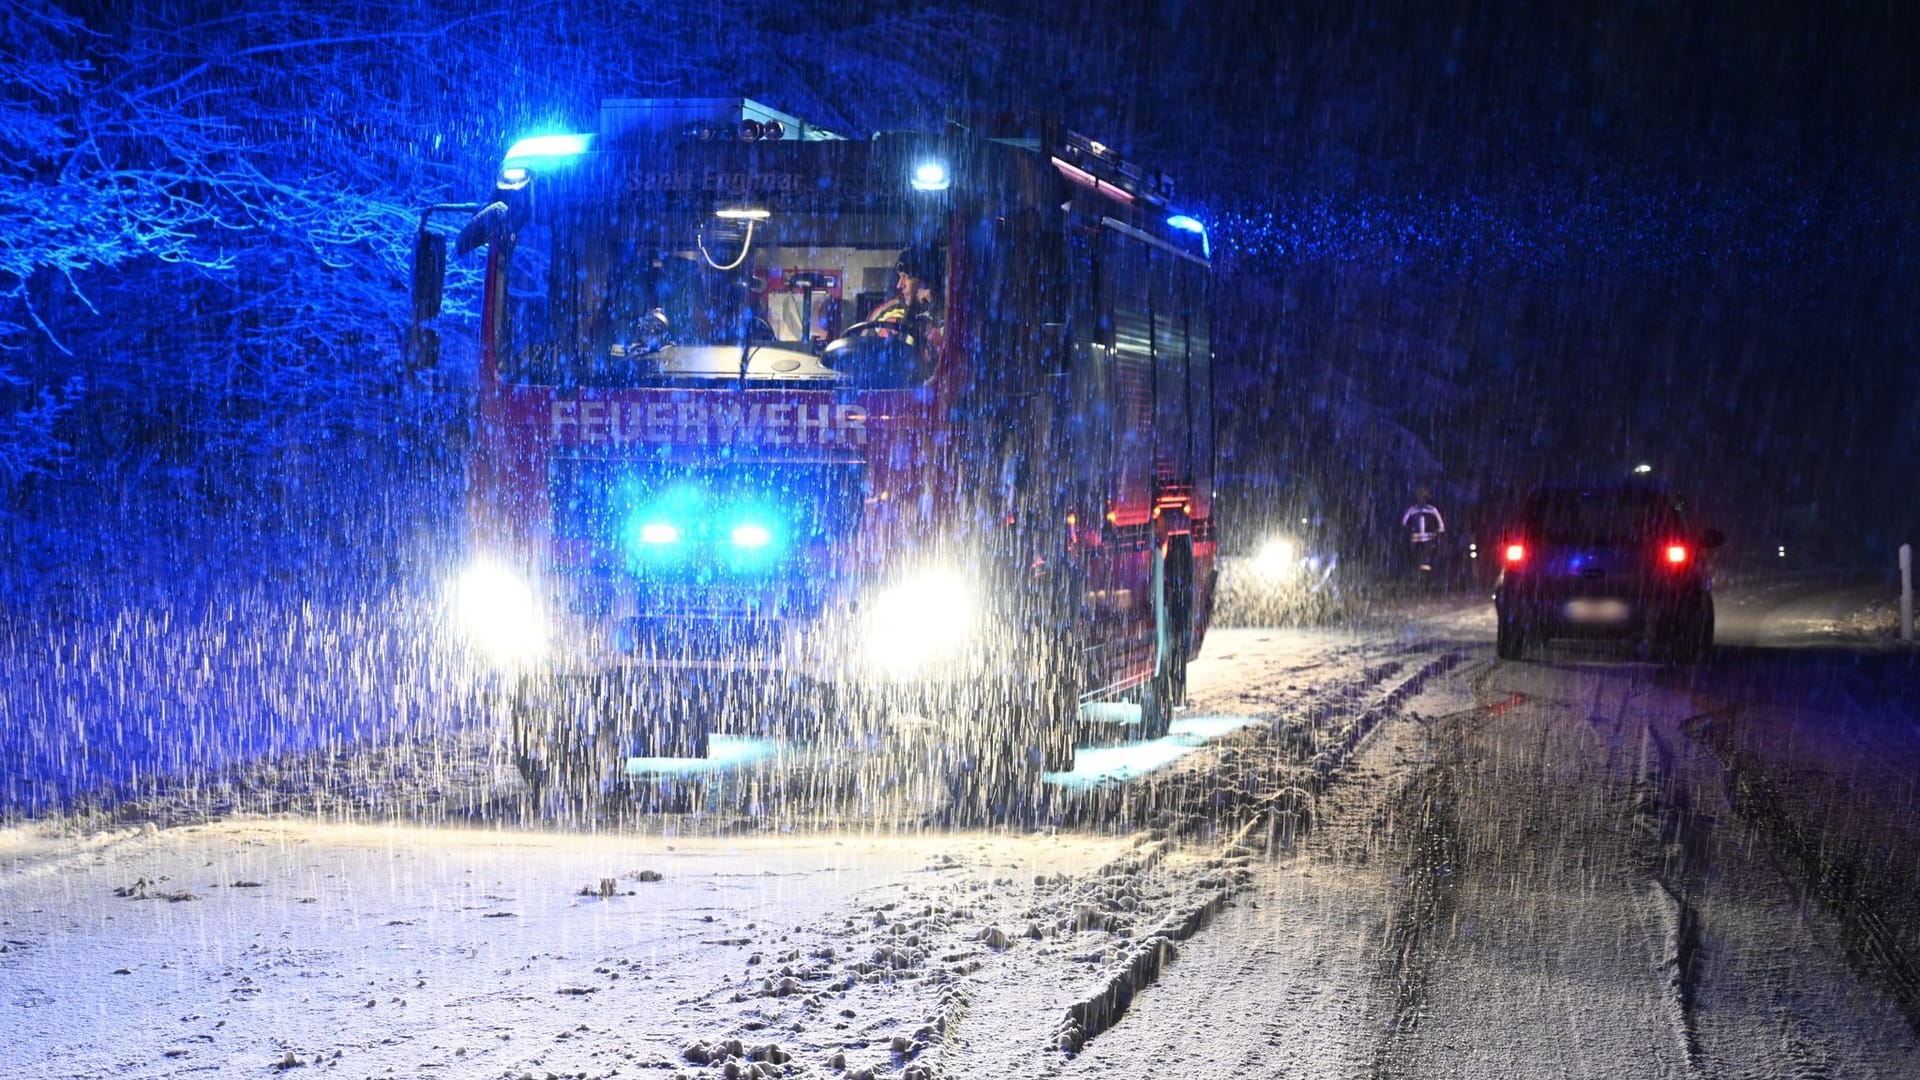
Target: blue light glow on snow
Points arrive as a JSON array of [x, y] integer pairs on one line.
[[1095, 766]]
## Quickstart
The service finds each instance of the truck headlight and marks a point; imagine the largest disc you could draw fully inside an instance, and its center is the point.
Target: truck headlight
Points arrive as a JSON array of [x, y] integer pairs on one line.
[[919, 622], [495, 609], [1277, 558]]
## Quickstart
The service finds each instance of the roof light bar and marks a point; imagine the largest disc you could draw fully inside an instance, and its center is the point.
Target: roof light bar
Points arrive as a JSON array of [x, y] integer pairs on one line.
[[1086, 179]]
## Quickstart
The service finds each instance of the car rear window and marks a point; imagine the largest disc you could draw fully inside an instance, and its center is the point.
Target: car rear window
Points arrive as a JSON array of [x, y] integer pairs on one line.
[[1598, 516]]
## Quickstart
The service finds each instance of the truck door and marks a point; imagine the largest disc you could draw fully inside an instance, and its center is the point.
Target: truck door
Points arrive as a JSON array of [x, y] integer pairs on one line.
[[1172, 396], [1125, 299]]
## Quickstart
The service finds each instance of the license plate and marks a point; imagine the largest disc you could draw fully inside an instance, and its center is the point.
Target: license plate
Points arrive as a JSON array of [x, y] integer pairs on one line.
[[704, 599], [1591, 611]]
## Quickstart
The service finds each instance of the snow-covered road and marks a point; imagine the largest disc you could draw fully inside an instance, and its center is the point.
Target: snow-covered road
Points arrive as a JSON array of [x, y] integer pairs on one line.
[[1369, 851]]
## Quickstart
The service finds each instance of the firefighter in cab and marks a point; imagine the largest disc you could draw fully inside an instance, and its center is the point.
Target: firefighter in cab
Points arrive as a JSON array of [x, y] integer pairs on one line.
[[899, 340], [912, 309]]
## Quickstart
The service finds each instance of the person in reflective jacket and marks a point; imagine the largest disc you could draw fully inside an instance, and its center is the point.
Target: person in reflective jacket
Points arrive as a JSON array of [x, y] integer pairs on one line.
[[1422, 520], [1424, 527]]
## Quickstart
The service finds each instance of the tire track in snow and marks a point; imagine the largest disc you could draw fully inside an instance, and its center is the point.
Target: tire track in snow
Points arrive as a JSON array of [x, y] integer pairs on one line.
[[1837, 874], [1423, 904], [1253, 811], [1663, 808], [1239, 793], [1275, 770]]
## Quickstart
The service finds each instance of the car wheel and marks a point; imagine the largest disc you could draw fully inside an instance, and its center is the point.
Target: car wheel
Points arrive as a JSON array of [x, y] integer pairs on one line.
[[1691, 638]]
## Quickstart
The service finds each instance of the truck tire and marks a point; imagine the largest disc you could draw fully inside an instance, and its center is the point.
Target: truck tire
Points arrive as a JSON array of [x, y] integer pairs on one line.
[[571, 738], [1156, 704], [1027, 726], [1167, 689], [1058, 706], [1180, 603], [552, 752]]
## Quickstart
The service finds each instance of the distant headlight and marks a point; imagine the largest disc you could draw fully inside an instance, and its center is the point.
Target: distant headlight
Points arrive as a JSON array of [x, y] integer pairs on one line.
[[495, 609], [1278, 558], [918, 623]]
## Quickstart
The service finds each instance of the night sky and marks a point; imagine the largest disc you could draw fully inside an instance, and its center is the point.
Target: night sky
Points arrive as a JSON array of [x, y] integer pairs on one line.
[[1562, 241]]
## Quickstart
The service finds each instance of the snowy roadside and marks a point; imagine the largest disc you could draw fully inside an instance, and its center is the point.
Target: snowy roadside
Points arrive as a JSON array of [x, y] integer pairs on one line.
[[246, 945], [796, 942], [1365, 850]]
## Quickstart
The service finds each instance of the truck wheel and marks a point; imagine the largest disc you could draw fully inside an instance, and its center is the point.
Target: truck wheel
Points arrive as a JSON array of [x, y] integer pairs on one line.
[[1167, 689], [1180, 607], [1156, 704], [1058, 715], [553, 757], [571, 738], [1027, 731]]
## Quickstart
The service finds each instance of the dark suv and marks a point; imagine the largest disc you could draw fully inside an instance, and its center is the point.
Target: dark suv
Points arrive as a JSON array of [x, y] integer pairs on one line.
[[1605, 560]]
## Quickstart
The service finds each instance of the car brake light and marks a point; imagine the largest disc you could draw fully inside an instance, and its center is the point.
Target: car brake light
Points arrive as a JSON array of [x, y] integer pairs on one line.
[[1516, 553], [1677, 554]]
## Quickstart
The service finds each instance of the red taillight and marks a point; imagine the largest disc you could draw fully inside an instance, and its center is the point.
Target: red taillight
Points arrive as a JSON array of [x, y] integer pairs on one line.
[[1516, 553], [1677, 554]]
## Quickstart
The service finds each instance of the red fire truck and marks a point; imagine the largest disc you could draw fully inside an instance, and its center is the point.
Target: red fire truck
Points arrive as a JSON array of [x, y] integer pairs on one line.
[[773, 422]]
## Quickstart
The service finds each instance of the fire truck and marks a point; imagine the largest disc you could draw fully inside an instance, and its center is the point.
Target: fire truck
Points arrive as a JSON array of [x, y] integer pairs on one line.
[[773, 422]]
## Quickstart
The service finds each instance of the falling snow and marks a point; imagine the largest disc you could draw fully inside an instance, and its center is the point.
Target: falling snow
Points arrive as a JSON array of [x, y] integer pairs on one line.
[[262, 810]]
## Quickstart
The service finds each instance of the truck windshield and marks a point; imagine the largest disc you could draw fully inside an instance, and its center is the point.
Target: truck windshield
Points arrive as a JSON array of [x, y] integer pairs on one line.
[[619, 296]]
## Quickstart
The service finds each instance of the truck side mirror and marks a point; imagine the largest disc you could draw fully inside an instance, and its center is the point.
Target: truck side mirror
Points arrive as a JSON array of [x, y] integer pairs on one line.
[[429, 273], [483, 228]]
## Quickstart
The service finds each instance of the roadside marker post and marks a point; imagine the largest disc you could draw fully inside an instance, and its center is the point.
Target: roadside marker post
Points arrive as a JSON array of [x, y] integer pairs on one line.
[[1906, 593]]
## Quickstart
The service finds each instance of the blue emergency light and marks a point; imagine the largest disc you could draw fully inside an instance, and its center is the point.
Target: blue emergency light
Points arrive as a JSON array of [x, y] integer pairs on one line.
[[692, 527], [549, 146], [751, 535], [1188, 223]]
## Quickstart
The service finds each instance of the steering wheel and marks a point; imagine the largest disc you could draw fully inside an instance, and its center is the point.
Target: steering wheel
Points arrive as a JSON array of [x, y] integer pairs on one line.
[[649, 333], [906, 328]]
